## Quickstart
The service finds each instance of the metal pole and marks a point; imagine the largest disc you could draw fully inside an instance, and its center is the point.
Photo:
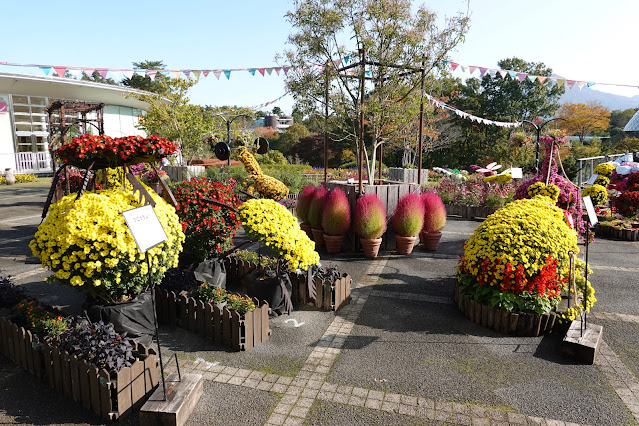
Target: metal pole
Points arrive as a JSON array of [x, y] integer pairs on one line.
[[584, 320], [155, 323], [228, 138], [537, 150], [326, 128], [379, 177], [361, 124], [421, 125]]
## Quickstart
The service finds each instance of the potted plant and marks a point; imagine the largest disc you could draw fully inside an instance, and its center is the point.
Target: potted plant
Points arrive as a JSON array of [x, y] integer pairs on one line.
[[408, 221], [336, 219], [434, 220], [370, 223], [315, 211], [211, 294], [303, 204], [152, 179]]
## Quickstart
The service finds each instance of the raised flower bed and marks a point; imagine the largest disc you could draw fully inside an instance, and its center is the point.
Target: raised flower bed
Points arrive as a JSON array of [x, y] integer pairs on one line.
[[110, 395], [224, 326]]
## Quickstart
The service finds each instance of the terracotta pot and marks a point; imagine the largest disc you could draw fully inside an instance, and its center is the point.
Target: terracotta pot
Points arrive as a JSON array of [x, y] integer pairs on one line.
[[370, 246], [333, 243], [405, 244], [318, 237], [307, 228], [431, 240]]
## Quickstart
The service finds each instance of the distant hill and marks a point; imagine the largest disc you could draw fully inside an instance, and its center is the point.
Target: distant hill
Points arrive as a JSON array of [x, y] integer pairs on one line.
[[586, 94]]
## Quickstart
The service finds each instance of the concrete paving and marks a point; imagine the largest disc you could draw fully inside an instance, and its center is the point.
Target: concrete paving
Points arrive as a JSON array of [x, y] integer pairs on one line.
[[400, 353]]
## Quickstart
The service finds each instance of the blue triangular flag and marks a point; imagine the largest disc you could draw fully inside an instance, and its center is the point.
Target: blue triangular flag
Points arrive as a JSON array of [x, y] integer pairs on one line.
[[252, 71], [590, 84], [368, 72], [227, 73], [513, 74], [346, 59], [47, 71]]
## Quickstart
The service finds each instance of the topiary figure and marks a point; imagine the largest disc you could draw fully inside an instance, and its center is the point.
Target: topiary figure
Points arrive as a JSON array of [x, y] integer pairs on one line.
[[258, 182], [336, 217], [434, 212], [408, 218], [518, 258], [317, 207], [370, 217], [304, 203]]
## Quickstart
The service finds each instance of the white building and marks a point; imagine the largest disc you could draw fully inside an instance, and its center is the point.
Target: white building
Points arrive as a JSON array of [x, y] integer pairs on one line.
[[24, 126]]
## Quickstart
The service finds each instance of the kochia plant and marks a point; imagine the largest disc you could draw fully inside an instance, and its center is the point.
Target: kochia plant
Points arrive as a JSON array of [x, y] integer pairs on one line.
[[317, 207], [304, 202], [336, 218], [408, 218], [434, 212], [370, 217]]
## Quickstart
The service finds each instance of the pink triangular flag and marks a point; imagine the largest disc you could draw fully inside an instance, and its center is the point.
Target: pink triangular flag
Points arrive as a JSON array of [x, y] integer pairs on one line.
[[503, 73], [454, 65], [541, 79], [471, 69], [261, 70], [206, 73], [60, 71], [88, 71], [103, 72], [217, 73], [278, 70], [269, 70], [285, 70], [581, 84], [570, 83], [482, 71], [521, 76], [176, 73], [151, 74]]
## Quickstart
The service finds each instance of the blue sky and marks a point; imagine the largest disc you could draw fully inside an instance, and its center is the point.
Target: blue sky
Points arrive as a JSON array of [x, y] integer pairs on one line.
[[582, 40]]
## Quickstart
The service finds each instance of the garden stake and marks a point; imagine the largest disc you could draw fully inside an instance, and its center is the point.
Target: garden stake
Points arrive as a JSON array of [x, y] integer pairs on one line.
[[155, 323]]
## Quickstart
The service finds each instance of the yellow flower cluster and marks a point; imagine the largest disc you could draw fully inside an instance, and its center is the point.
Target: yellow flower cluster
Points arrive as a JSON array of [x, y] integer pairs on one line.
[[539, 188], [604, 169], [115, 179], [274, 226], [19, 179], [597, 193], [86, 243], [265, 186], [523, 232]]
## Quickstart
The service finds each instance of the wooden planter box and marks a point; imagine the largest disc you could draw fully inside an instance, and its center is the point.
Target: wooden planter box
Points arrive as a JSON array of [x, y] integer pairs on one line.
[[502, 321], [616, 233], [239, 332], [469, 212], [109, 395], [328, 296], [407, 175]]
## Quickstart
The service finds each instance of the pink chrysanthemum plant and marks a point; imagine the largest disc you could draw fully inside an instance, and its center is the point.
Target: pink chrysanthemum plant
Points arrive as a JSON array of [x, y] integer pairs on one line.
[[408, 218], [336, 218], [304, 203], [434, 213]]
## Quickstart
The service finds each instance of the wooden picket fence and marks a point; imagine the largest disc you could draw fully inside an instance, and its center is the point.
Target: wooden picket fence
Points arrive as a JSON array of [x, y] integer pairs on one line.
[[110, 395], [329, 296], [239, 332]]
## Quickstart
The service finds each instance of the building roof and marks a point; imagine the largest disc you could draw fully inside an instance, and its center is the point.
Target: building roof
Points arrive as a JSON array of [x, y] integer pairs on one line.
[[633, 124], [67, 88]]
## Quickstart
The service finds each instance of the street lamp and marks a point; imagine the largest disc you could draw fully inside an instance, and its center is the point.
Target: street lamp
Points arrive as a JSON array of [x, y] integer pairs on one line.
[[538, 127]]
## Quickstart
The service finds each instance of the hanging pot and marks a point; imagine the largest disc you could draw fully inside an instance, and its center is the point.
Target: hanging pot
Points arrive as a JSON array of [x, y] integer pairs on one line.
[[370, 246], [431, 240], [318, 237], [405, 244], [333, 243]]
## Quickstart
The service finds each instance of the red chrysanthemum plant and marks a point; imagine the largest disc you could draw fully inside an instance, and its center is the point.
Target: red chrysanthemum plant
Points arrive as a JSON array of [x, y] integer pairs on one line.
[[370, 223], [315, 211], [336, 219], [408, 221], [303, 204], [434, 220]]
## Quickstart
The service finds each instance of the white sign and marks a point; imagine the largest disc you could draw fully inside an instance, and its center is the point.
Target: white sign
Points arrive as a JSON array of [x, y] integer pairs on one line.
[[592, 216], [516, 173], [145, 227], [592, 180]]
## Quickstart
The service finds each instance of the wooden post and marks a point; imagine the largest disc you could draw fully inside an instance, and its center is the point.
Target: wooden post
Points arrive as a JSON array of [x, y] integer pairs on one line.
[[326, 126], [360, 162], [421, 125]]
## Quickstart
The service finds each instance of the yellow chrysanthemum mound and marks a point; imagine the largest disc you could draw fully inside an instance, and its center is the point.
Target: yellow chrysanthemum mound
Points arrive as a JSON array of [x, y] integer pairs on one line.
[[87, 244], [274, 226], [597, 193]]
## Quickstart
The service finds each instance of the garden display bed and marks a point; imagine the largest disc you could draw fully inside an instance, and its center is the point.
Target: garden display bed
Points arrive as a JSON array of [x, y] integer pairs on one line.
[[109, 395], [328, 296], [617, 233], [502, 321], [469, 212], [239, 332]]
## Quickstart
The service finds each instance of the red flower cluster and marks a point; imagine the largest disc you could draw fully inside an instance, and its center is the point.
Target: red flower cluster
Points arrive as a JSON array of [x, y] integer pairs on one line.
[[111, 152], [546, 283], [209, 229], [627, 203]]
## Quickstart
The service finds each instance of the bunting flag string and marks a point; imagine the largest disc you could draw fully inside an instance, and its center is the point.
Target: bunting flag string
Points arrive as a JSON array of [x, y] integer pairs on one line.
[[462, 114], [255, 107]]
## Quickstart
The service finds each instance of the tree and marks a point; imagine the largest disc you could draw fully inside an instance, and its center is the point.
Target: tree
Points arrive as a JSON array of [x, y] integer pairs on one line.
[[618, 120], [144, 82], [391, 34], [291, 137], [583, 119], [171, 116], [277, 111]]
